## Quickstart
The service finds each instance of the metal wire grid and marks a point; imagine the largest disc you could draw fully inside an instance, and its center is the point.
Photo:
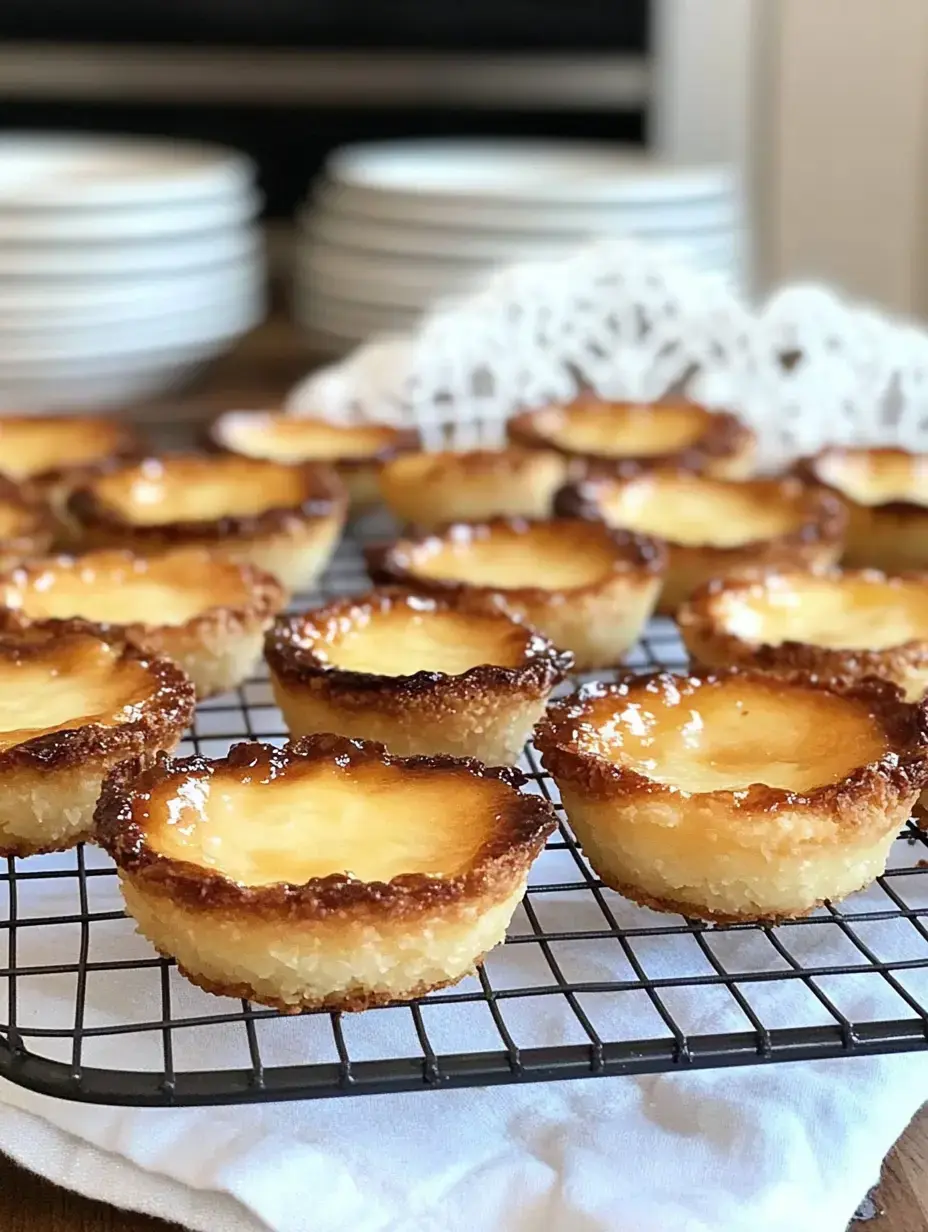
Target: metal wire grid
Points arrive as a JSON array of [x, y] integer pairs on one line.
[[588, 991]]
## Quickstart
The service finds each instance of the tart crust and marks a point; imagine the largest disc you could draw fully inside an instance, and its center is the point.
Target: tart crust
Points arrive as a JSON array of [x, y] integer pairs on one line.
[[625, 437], [482, 685], [326, 939], [853, 624], [28, 526], [430, 489], [82, 705], [356, 452], [595, 605], [715, 527], [55, 451], [886, 494], [641, 766], [284, 519], [214, 612]]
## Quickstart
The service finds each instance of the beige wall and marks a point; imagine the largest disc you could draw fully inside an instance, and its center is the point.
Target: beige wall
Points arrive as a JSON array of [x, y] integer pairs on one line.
[[842, 147]]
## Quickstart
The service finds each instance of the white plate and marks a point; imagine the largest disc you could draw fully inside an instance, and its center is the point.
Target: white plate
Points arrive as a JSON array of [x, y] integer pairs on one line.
[[348, 318], [72, 171], [127, 258], [74, 391], [522, 171], [25, 226]]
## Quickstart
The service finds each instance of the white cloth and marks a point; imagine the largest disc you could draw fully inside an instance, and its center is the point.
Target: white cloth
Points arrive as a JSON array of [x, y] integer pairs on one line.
[[750, 1150]]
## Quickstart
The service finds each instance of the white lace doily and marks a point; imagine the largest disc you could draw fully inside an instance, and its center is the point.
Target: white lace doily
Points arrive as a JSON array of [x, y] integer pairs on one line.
[[629, 321]]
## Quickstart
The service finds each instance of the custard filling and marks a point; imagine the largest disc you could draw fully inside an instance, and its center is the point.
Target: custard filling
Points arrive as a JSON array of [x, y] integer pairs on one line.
[[877, 478], [29, 447], [730, 734], [838, 614], [539, 558], [699, 512], [70, 687], [625, 431], [188, 491], [286, 438], [372, 822], [400, 642]]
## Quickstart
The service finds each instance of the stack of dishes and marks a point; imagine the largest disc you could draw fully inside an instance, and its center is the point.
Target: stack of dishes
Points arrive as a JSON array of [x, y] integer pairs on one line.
[[393, 228], [125, 264]]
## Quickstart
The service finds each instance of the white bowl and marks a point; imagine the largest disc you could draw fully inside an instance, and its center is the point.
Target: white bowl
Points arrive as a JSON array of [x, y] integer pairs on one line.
[[73, 171], [125, 258]]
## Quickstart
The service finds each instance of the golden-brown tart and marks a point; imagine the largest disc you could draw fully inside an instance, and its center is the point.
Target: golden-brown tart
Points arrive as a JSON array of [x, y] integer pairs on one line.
[[205, 612], [588, 588], [53, 452], [284, 519], [624, 437], [736, 796], [355, 451], [715, 527], [837, 623], [324, 874], [422, 674], [431, 489], [28, 526], [71, 707], [886, 493]]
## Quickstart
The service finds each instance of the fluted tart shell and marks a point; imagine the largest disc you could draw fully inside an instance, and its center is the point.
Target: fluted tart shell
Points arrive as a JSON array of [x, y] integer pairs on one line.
[[422, 674], [586, 587], [740, 795], [886, 493], [430, 489], [71, 707], [624, 437], [355, 451], [715, 527], [326, 874], [205, 612], [284, 519]]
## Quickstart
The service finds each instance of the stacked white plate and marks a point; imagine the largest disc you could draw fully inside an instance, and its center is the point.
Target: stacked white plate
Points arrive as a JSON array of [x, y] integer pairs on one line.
[[392, 228], [125, 265]]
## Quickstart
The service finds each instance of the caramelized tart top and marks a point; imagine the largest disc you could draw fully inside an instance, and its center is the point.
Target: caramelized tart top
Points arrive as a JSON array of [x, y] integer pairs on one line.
[[291, 438]]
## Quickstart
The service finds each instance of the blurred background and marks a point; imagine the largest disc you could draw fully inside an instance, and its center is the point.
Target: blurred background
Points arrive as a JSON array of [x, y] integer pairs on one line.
[[764, 140]]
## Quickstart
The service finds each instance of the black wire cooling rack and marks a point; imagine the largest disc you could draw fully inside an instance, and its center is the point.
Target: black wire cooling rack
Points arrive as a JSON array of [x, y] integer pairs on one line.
[[586, 985]]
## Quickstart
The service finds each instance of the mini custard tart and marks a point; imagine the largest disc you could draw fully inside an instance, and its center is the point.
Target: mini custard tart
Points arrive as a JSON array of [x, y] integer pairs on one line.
[[204, 612], [737, 796], [28, 526], [422, 674], [588, 588], [886, 492], [432, 489], [356, 452], [624, 437], [53, 452], [715, 527], [327, 874], [838, 623], [284, 519], [71, 707]]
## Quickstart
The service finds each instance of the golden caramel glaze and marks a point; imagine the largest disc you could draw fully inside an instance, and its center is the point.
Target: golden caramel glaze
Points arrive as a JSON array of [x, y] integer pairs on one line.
[[356, 451], [422, 674], [588, 588], [846, 624], [740, 795], [71, 706], [715, 527], [327, 874], [284, 519], [49, 449], [886, 494], [204, 612], [626, 437], [431, 489]]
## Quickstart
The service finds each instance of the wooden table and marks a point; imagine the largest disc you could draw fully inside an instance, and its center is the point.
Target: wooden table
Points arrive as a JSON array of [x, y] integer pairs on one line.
[[256, 375]]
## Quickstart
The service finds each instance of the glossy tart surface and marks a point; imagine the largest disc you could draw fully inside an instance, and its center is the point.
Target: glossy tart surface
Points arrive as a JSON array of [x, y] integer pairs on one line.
[[429, 489], [851, 624], [289, 438], [586, 587], [37, 445], [324, 874], [422, 674], [678, 433], [737, 796]]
